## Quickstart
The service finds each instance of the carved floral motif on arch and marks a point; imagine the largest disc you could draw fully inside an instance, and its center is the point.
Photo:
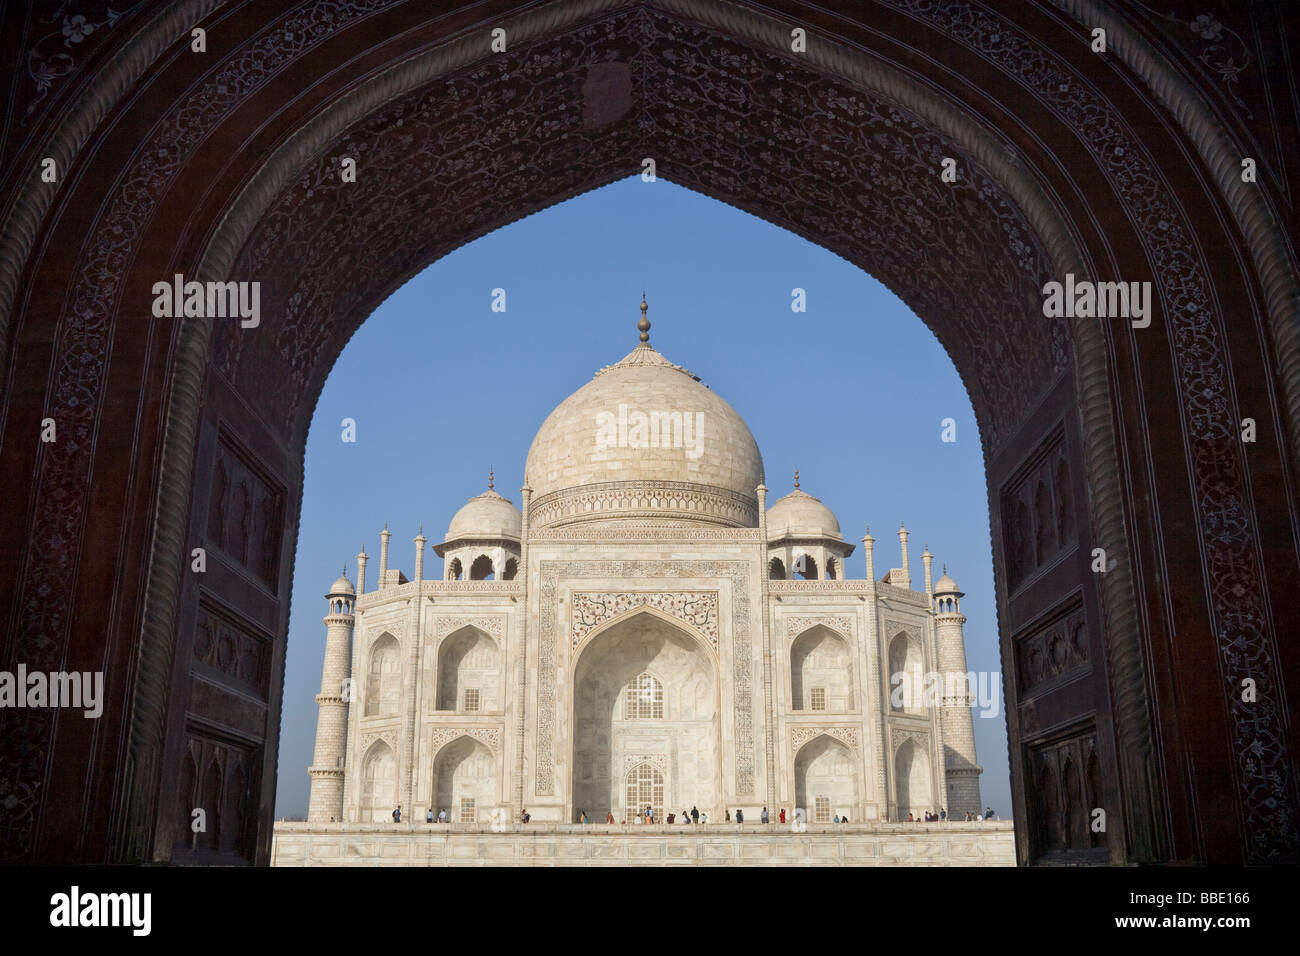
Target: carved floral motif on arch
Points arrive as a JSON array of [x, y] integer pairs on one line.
[[438, 737], [840, 624], [494, 625], [802, 735], [1225, 515], [838, 165], [591, 609]]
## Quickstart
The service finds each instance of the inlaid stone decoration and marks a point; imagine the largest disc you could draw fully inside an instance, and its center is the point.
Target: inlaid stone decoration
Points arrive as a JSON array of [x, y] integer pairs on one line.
[[697, 608], [797, 624], [438, 737], [801, 735], [494, 625]]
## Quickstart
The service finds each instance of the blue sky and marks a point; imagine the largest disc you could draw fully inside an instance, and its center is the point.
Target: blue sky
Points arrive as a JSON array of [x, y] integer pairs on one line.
[[852, 392]]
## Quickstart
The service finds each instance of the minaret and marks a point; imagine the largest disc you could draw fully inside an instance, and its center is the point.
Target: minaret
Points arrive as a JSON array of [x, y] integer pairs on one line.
[[769, 712], [383, 554], [420, 542], [906, 582], [362, 558], [955, 716], [927, 559], [327, 769], [868, 548]]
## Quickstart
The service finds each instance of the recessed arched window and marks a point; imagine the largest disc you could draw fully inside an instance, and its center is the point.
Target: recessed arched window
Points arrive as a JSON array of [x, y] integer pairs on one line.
[[644, 698], [645, 788], [384, 681], [776, 569], [481, 569]]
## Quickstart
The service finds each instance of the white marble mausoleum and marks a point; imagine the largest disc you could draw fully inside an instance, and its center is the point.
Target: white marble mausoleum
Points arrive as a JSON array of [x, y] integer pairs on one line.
[[648, 628]]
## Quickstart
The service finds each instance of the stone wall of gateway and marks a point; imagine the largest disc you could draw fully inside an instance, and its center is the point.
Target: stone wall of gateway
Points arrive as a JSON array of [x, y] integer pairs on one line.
[[421, 844]]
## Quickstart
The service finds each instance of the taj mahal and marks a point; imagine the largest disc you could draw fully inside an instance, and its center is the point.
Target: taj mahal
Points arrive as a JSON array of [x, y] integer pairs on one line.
[[647, 629]]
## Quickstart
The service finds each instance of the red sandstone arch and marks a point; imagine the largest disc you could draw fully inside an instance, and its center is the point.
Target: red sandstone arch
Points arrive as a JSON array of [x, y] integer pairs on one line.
[[222, 167]]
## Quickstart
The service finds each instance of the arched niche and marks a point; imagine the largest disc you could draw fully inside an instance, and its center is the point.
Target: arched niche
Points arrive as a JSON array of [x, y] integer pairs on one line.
[[378, 783], [906, 677], [826, 779], [383, 677], [912, 780], [469, 671], [465, 781], [821, 672]]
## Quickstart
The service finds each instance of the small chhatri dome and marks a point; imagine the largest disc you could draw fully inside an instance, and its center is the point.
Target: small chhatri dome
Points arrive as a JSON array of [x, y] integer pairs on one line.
[[342, 587], [946, 585], [801, 514], [488, 515]]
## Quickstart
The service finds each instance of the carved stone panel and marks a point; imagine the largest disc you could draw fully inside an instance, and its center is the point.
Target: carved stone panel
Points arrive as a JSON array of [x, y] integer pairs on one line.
[[1052, 648], [438, 737], [1039, 507], [495, 625], [841, 624], [699, 609], [1066, 772], [801, 735], [225, 644], [899, 734], [244, 513]]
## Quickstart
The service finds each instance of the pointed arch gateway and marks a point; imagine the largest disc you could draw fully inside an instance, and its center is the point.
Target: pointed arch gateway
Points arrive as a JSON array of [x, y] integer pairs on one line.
[[1073, 138], [645, 695]]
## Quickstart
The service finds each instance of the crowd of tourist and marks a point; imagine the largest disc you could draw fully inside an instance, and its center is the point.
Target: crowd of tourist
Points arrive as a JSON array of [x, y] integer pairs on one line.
[[646, 815], [941, 816]]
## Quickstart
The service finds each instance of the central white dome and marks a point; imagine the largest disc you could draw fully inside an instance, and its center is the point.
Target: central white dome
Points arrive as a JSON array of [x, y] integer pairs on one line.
[[644, 440]]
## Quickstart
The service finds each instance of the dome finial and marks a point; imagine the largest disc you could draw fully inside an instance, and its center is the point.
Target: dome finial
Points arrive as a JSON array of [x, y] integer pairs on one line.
[[796, 479], [644, 323], [491, 478]]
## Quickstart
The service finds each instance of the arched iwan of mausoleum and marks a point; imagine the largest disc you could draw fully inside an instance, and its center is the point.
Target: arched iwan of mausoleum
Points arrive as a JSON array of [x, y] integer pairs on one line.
[[645, 692]]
